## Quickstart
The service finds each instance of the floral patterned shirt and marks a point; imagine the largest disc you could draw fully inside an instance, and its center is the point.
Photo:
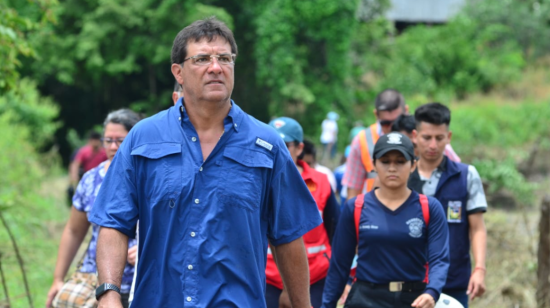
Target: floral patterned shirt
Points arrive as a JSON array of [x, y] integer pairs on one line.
[[83, 200]]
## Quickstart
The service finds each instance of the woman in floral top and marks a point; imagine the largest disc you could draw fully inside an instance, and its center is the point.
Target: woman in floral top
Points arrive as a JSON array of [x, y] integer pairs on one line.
[[116, 127]]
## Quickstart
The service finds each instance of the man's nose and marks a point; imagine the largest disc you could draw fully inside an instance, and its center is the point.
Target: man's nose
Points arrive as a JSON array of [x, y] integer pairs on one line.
[[215, 66]]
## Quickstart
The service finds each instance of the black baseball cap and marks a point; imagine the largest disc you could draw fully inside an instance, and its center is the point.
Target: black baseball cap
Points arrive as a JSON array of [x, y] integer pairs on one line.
[[394, 141]]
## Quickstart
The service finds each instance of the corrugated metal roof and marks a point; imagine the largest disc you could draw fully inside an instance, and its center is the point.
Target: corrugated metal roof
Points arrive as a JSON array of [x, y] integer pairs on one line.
[[424, 10]]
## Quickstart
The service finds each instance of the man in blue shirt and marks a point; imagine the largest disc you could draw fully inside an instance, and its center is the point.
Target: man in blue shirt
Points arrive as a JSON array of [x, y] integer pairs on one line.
[[459, 189], [210, 186]]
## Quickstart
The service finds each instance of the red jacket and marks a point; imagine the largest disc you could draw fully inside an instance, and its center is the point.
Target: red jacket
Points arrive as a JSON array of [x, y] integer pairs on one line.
[[316, 241]]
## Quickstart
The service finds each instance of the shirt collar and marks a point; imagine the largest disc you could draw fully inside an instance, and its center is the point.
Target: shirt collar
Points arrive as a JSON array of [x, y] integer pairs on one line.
[[442, 165], [234, 116]]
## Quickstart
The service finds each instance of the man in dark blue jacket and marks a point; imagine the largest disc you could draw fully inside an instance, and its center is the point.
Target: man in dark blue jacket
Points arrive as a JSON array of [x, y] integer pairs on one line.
[[459, 189]]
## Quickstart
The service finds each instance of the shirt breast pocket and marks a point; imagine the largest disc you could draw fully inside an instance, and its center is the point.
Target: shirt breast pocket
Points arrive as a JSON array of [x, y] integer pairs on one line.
[[244, 173], [160, 170]]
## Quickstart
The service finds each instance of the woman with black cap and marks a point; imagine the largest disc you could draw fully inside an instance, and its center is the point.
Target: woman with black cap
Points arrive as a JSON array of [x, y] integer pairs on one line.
[[396, 232]]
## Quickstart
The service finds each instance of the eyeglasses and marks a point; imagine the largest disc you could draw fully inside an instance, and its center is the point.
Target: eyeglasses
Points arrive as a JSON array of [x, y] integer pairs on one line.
[[108, 141], [203, 60], [386, 122]]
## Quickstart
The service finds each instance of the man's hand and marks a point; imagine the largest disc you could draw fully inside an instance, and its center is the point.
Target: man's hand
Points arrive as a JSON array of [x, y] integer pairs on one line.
[[476, 287], [56, 286], [424, 301], [132, 253], [111, 299], [284, 300]]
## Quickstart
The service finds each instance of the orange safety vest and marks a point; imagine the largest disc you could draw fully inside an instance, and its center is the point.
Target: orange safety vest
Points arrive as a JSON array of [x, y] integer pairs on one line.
[[316, 240], [367, 139]]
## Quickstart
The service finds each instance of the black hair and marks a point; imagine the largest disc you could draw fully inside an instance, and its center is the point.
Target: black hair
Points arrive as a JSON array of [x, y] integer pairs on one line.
[[125, 117], [389, 100], [94, 135], [404, 122], [309, 148], [433, 113], [209, 28]]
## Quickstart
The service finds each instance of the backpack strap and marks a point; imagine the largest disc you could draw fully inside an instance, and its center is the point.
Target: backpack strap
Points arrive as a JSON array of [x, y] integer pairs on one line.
[[425, 209], [426, 213], [359, 201]]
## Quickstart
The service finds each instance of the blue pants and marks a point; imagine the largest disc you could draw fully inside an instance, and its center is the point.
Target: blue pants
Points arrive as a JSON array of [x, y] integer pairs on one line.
[[459, 295], [315, 291]]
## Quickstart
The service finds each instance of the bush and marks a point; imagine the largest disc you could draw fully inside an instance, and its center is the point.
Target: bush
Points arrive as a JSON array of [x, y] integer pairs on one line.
[[24, 106]]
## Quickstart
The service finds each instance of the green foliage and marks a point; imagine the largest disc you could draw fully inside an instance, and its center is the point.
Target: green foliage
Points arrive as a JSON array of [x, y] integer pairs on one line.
[[302, 57], [24, 106], [498, 125], [503, 174], [457, 58], [14, 30], [527, 22]]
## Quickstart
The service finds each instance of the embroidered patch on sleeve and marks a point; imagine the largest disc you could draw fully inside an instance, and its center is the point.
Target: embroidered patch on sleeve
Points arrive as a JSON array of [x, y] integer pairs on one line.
[[264, 144]]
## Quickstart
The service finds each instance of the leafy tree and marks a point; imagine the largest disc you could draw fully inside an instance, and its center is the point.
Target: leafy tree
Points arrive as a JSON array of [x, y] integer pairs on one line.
[[303, 58]]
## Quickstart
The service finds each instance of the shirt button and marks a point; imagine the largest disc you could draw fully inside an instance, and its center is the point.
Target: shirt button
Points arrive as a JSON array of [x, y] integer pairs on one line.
[[179, 118], [190, 267], [235, 124], [188, 298], [194, 139], [193, 234], [197, 201], [200, 169]]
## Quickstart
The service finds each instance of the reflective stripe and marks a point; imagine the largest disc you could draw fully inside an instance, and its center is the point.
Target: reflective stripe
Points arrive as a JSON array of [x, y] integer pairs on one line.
[[310, 250], [372, 175], [316, 249]]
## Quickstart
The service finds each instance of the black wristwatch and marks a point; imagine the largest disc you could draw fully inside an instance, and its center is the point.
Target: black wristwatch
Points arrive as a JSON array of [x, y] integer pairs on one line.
[[104, 288]]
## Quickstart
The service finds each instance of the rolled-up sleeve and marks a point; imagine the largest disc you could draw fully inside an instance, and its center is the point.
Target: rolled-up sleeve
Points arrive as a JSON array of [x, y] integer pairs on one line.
[[292, 210], [116, 204]]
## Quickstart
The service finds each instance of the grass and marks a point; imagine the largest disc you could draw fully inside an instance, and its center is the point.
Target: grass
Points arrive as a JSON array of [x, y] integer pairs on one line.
[[37, 229]]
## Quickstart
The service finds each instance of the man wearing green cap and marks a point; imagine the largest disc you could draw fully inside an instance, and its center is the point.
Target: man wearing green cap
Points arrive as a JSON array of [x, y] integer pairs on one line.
[[317, 241]]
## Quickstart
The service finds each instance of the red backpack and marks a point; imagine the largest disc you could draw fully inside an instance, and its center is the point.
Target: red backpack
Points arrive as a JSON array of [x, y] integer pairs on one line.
[[360, 201]]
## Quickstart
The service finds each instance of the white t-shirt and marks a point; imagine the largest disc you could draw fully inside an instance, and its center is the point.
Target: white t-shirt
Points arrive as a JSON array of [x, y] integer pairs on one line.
[[330, 175], [330, 131]]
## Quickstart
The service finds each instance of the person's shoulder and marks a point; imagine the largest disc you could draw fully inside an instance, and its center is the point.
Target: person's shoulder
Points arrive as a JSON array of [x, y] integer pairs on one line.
[[94, 171], [258, 129]]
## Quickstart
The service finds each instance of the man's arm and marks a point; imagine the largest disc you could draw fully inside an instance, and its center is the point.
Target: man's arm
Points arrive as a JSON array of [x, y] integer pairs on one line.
[[292, 262], [478, 237], [73, 172], [112, 249]]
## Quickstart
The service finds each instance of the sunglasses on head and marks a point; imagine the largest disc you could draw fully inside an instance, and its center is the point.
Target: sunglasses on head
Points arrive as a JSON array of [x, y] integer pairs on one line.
[[386, 122]]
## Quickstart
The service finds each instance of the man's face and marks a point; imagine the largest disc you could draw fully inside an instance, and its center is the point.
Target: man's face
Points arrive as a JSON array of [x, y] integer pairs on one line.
[[308, 159], [295, 150], [212, 82], [95, 143], [431, 140], [386, 118]]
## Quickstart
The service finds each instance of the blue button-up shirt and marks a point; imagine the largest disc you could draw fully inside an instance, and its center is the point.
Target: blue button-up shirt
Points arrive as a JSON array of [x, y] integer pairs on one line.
[[204, 224]]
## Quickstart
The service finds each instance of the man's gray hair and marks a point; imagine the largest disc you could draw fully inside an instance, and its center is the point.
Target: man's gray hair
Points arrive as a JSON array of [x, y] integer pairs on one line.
[[125, 117]]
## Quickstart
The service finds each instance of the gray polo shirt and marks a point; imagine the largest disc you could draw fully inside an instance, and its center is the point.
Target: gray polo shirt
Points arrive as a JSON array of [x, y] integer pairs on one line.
[[476, 196]]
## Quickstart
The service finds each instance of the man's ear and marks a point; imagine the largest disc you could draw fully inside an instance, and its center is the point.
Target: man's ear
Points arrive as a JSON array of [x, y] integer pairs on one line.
[[414, 135], [375, 112], [300, 148], [406, 109], [176, 71], [450, 136], [413, 166]]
